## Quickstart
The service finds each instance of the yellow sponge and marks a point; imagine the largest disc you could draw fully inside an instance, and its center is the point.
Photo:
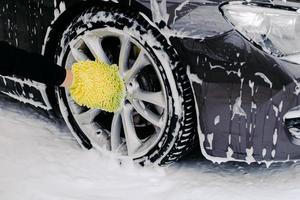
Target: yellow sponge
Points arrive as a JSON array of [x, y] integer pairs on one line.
[[97, 85]]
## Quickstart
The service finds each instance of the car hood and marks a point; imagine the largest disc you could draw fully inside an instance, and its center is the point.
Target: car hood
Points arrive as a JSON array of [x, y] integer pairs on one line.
[[199, 18]]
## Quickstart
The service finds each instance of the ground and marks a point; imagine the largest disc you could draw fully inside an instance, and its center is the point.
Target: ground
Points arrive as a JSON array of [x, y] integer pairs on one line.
[[40, 160]]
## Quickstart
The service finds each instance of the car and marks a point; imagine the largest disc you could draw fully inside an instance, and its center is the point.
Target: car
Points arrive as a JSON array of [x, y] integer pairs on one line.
[[223, 76]]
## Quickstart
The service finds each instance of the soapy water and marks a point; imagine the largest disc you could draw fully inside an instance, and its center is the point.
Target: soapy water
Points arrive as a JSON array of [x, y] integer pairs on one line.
[[40, 159]]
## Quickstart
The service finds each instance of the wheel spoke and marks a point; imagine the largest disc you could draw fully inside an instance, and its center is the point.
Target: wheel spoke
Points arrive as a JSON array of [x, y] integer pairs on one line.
[[94, 45], [124, 54], [98, 134], [88, 116], [78, 55], [76, 52], [156, 98], [73, 105], [116, 132], [132, 140], [147, 114], [140, 62]]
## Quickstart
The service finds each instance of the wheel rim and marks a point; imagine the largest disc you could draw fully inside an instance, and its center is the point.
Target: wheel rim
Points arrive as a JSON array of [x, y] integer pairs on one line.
[[139, 125]]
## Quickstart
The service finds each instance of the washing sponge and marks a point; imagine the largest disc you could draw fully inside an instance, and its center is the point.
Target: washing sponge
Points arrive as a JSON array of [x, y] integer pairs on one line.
[[97, 85]]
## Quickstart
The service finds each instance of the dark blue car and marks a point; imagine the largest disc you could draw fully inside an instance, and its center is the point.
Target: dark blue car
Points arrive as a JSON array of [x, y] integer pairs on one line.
[[222, 75]]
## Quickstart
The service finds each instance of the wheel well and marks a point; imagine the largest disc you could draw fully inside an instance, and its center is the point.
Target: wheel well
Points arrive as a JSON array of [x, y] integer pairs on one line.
[[59, 25]]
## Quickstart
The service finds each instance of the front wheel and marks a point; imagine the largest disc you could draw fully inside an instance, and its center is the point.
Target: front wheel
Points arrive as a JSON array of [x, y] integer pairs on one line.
[[156, 123]]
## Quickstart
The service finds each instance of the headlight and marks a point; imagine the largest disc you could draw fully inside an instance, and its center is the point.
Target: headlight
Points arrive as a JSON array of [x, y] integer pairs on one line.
[[275, 29]]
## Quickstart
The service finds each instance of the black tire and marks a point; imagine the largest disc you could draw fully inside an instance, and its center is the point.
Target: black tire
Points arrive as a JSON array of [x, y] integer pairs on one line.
[[179, 133]]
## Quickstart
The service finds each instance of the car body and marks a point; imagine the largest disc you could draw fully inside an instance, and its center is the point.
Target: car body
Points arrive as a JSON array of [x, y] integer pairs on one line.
[[245, 96]]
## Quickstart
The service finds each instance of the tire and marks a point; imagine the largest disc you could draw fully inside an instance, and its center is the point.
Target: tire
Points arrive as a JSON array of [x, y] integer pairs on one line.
[[163, 74]]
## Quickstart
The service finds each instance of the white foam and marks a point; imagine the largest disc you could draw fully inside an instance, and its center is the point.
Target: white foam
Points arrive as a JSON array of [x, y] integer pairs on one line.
[[217, 120], [237, 108], [210, 138], [265, 78]]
